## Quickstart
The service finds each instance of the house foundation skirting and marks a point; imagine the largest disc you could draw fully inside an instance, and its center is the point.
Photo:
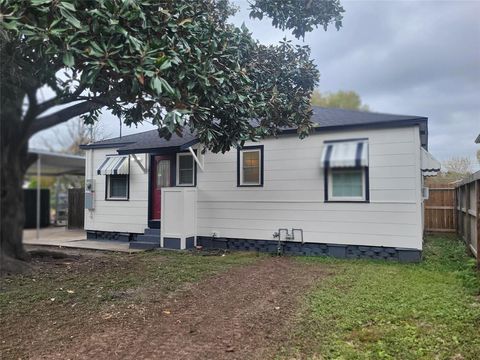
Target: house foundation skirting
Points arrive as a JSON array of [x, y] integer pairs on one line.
[[313, 249], [111, 235]]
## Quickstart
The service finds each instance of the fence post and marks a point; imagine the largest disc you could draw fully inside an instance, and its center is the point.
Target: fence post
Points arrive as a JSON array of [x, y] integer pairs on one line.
[[477, 220]]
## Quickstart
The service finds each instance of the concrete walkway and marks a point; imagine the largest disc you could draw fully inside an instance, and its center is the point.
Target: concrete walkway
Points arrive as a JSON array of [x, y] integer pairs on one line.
[[62, 237]]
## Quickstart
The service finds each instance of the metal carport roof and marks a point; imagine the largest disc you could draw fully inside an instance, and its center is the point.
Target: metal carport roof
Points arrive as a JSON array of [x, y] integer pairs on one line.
[[57, 164]]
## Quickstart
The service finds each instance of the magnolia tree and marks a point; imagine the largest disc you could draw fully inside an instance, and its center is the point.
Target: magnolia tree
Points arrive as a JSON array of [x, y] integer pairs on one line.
[[179, 63]]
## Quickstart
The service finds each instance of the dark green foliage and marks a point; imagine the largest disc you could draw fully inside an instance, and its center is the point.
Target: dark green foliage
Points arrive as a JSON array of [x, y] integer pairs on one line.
[[299, 16], [339, 100], [179, 63]]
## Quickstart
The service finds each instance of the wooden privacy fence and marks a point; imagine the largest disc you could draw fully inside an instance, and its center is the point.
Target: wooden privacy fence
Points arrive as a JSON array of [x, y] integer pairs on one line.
[[76, 203], [468, 212], [439, 209]]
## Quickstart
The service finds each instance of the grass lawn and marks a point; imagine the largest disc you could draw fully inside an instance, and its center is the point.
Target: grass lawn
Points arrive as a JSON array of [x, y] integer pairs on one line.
[[91, 281], [78, 293], [357, 310], [378, 310]]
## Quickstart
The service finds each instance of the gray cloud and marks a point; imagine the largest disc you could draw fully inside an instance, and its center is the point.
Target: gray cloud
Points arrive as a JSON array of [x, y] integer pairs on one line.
[[404, 57]]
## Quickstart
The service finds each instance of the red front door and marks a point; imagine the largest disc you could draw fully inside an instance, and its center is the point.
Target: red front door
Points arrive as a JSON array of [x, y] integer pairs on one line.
[[161, 177]]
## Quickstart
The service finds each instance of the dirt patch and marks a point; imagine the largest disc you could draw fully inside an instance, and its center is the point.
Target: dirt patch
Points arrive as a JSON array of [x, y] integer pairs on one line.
[[243, 313], [238, 315]]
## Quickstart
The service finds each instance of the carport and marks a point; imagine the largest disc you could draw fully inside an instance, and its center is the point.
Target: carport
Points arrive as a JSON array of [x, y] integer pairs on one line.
[[56, 164]]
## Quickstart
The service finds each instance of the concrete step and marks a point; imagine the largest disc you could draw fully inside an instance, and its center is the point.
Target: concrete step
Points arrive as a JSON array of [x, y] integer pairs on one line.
[[149, 238], [155, 232], [143, 245]]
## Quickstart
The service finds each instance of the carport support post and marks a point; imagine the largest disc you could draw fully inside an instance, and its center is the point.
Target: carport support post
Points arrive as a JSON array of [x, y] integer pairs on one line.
[[39, 171], [57, 190]]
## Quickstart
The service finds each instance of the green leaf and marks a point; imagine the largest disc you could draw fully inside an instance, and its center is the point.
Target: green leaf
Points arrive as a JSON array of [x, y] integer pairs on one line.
[[40, 2], [156, 85], [10, 25], [91, 76], [185, 21], [68, 60], [70, 18], [166, 64], [167, 86], [96, 50], [68, 6]]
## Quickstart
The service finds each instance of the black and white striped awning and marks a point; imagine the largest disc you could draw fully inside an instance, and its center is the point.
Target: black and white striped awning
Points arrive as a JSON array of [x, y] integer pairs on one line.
[[114, 165], [352, 153], [430, 166]]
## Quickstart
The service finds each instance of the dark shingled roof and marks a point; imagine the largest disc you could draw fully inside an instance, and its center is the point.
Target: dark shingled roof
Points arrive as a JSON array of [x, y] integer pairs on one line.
[[325, 118], [144, 140], [328, 117]]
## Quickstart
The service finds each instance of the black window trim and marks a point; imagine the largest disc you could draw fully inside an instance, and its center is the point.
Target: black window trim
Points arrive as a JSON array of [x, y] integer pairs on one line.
[[107, 180], [251, 147], [176, 172], [326, 175]]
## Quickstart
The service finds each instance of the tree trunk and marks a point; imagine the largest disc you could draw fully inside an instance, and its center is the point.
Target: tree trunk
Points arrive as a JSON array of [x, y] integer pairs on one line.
[[14, 162]]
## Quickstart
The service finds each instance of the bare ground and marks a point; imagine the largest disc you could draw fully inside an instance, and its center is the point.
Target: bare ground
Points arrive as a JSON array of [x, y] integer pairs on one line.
[[243, 313]]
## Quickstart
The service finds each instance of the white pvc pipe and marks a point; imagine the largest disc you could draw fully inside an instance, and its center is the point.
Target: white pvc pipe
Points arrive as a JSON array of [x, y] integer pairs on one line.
[[39, 171], [200, 165]]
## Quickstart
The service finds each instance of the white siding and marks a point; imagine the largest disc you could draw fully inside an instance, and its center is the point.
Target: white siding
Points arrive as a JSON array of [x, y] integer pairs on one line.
[[293, 193], [117, 216]]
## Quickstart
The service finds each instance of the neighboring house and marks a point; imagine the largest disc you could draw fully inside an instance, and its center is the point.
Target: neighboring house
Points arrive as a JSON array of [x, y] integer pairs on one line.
[[353, 188]]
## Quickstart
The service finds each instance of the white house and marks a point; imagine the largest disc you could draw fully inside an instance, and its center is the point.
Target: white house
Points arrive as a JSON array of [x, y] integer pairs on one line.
[[353, 188]]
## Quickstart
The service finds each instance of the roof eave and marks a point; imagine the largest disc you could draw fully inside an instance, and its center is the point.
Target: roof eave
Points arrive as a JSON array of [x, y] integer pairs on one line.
[[159, 149], [104, 146], [420, 121]]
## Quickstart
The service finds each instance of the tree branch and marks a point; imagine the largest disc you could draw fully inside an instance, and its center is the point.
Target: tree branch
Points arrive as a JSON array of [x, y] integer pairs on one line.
[[63, 115], [59, 100], [32, 105]]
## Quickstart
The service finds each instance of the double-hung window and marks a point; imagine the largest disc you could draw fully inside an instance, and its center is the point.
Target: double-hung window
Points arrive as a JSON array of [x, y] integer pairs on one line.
[[116, 169], [185, 169], [346, 184], [250, 166], [346, 171], [117, 187]]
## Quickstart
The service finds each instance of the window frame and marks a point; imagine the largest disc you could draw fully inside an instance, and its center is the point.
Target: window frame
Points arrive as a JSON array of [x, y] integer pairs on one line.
[[108, 187], [177, 170], [240, 151], [328, 177]]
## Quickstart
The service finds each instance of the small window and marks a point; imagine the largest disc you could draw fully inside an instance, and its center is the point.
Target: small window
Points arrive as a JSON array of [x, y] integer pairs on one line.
[[117, 187], [163, 173], [185, 170], [250, 166], [346, 184]]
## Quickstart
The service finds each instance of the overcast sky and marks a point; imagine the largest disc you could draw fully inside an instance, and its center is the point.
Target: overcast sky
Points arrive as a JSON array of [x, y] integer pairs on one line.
[[402, 57]]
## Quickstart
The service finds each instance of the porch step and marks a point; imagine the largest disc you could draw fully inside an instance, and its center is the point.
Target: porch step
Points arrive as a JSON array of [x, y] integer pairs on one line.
[[149, 240], [154, 232], [154, 239], [143, 245]]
